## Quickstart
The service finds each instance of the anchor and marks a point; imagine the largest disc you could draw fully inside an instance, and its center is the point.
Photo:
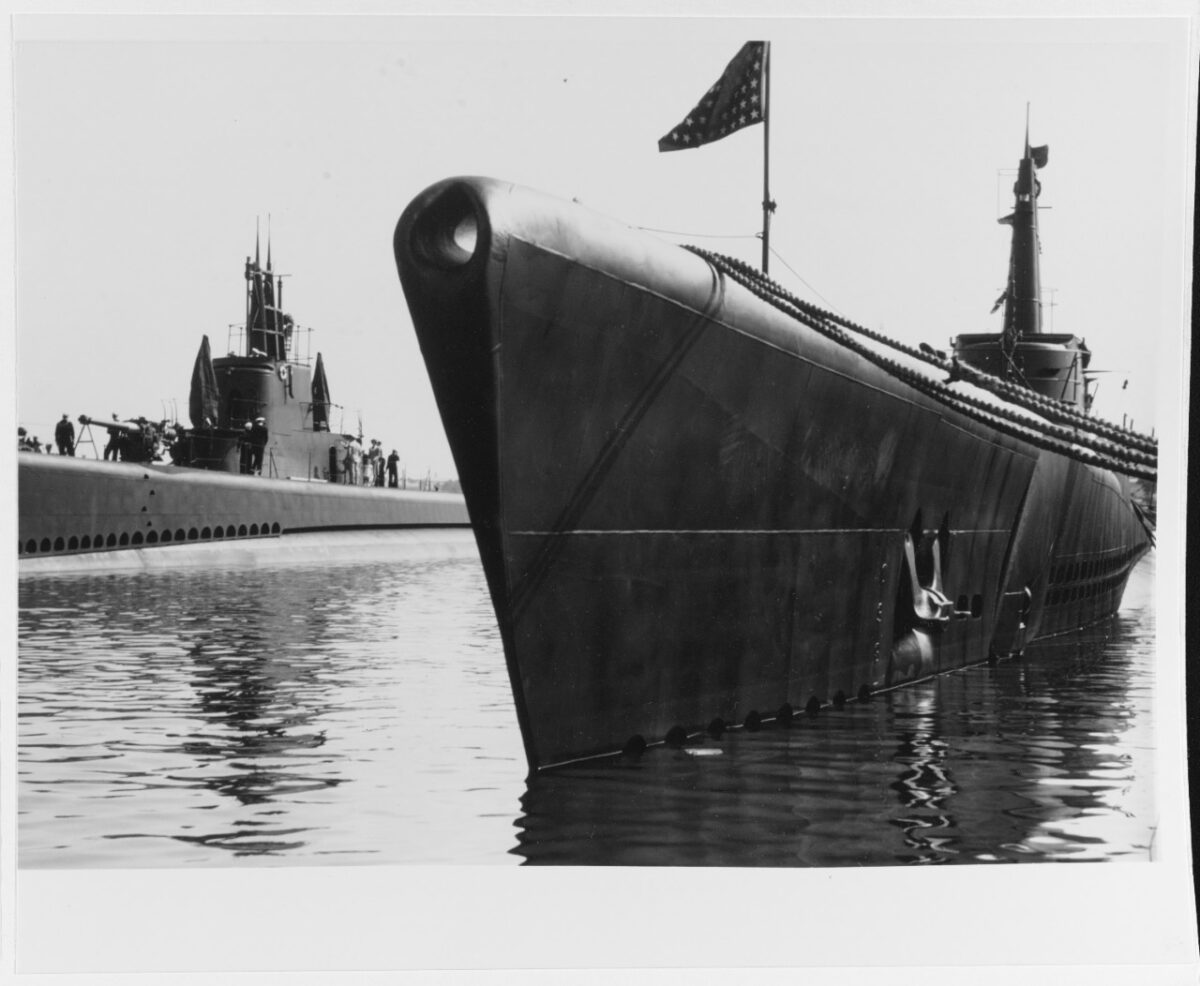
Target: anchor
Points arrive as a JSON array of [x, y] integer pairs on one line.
[[924, 614]]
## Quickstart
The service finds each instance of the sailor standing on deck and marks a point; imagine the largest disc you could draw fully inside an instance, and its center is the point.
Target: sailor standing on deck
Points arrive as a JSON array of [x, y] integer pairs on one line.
[[244, 449], [114, 442], [258, 443], [64, 436], [393, 469], [375, 478]]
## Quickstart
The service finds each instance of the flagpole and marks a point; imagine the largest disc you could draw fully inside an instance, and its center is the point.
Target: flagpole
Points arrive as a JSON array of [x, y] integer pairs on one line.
[[726, 107], [768, 205]]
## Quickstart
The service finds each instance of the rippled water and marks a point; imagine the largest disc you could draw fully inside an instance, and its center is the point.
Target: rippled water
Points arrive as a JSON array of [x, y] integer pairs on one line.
[[362, 714]]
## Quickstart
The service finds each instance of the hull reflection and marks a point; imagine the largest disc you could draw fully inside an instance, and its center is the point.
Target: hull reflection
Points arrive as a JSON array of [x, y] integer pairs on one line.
[[1022, 761], [262, 716]]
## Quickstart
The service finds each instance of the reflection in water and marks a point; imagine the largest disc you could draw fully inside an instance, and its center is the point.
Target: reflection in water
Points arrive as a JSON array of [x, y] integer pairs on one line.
[[224, 714], [1046, 757], [924, 785], [259, 695], [299, 715]]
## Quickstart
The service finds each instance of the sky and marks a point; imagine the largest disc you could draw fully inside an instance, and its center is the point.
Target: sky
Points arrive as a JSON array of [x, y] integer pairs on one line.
[[148, 151]]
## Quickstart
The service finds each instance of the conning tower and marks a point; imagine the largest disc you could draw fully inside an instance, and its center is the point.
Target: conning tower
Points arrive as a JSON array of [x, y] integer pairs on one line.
[[267, 380], [1052, 364]]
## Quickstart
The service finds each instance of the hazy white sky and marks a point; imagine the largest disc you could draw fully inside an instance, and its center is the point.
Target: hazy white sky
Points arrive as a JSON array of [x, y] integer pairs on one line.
[[147, 148]]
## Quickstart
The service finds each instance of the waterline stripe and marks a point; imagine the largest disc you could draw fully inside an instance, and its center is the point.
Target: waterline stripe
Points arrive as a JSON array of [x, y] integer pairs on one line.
[[751, 531]]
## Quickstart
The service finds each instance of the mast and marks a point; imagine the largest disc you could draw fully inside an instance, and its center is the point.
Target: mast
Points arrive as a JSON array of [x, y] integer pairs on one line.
[[767, 205], [1023, 295], [266, 326]]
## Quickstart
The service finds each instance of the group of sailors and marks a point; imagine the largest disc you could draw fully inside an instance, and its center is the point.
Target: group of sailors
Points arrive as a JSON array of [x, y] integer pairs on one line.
[[141, 440], [368, 467], [138, 440], [31, 443], [135, 440], [64, 439]]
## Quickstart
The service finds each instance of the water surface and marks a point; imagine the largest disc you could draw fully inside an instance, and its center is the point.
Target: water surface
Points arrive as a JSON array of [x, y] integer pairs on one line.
[[308, 715]]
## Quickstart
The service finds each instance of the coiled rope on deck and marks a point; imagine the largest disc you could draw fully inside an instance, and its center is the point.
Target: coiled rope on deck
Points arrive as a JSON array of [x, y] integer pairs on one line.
[[1075, 435]]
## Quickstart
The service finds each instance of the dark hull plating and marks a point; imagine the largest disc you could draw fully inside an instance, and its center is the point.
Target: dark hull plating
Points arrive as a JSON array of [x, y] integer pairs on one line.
[[695, 511]]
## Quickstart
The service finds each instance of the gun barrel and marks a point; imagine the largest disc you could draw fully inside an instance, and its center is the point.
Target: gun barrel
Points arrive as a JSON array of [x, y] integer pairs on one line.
[[125, 426]]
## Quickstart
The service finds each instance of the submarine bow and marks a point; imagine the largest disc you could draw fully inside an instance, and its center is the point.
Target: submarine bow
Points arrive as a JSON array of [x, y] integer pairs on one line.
[[697, 509]]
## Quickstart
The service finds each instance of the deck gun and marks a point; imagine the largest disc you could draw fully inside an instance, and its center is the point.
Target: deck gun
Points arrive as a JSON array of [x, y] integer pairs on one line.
[[137, 441]]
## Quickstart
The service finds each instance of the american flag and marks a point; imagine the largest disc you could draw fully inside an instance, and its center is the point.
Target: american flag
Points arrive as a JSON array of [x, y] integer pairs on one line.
[[734, 101]]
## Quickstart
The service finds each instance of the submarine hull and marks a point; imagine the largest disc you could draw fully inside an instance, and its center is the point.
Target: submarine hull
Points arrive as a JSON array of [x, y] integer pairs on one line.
[[70, 506], [695, 512]]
